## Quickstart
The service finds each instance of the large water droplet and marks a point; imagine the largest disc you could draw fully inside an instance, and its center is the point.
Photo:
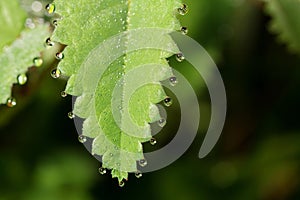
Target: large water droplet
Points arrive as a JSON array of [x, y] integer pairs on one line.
[[71, 115], [168, 101], [121, 183], [59, 56], [153, 141], [173, 81], [82, 139], [102, 170], [55, 73], [138, 174], [11, 102], [180, 57], [183, 10], [49, 42], [22, 79], [143, 162], [184, 30], [37, 62], [50, 8], [162, 122]]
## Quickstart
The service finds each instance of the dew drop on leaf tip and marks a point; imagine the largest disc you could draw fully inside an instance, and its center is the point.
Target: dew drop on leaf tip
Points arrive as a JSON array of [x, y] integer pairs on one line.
[[162, 122], [138, 174], [173, 81], [50, 8], [121, 183], [22, 79], [153, 141], [82, 139], [63, 94], [143, 162], [184, 30], [183, 10], [71, 115], [49, 42], [168, 101], [180, 57], [55, 73], [102, 170], [11, 102], [59, 56], [37, 62]]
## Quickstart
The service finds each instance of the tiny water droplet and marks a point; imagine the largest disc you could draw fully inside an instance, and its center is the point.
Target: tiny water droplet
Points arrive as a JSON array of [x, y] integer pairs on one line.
[[50, 8], [59, 56], [153, 141], [63, 94], [143, 162], [11, 102], [173, 81], [111, 155], [162, 122], [138, 174], [49, 42], [54, 22], [184, 30], [180, 57], [55, 73], [71, 115], [37, 62], [168, 101], [102, 171], [22, 79], [121, 183], [183, 10], [82, 139]]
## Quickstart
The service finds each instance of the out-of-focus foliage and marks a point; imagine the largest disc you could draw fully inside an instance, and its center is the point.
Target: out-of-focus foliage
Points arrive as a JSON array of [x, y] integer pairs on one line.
[[258, 156]]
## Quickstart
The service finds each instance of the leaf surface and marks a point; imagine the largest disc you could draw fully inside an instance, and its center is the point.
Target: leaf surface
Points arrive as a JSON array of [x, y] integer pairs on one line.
[[116, 57]]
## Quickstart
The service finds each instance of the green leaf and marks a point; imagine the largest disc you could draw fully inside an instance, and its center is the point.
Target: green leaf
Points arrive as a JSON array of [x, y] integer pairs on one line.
[[286, 21], [12, 21], [15, 59], [116, 57]]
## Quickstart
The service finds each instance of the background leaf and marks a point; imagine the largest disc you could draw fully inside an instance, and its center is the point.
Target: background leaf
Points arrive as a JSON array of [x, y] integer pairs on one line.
[[16, 59], [286, 21]]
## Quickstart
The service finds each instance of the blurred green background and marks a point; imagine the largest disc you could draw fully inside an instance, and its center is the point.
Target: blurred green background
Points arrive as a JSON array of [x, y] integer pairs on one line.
[[257, 157]]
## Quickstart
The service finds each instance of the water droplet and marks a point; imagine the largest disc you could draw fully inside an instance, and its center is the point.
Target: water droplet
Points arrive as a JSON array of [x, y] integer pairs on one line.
[[138, 174], [183, 10], [50, 8], [143, 162], [63, 94], [54, 22], [11, 102], [55, 73], [173, 81], [111, 155], [49, 42], [184, 30], [71, 115], [162, 122], [82, 139], [59, 56], [168, 101], [153, 141], [121, 183], [180, 57], [37, 62], [22, 79], [102, 171]]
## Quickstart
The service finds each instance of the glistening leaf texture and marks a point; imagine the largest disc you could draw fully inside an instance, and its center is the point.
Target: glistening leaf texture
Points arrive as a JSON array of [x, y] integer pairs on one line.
[[113, 46], [286, 21]]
